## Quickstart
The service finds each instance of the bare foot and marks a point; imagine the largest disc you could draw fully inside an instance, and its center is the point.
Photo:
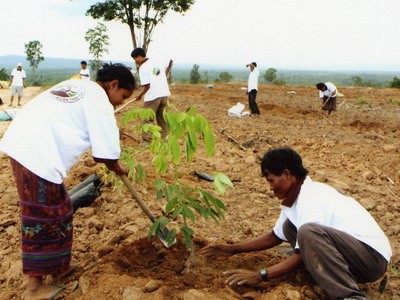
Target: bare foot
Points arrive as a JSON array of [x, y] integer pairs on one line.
[[56, 291]]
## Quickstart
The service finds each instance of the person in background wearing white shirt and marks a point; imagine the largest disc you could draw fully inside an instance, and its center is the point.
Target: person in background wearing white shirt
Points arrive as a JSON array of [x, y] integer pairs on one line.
[[84, 73], [47, 137], [252, 88], [153, 79], [17, 83], [332, 235], [327, 94]]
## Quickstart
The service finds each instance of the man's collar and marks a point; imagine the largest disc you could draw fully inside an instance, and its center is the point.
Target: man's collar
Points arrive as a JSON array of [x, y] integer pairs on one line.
[[293, 193]]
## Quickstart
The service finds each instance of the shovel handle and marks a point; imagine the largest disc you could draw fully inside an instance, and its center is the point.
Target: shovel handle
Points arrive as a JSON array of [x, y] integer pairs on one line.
[[138, 199]]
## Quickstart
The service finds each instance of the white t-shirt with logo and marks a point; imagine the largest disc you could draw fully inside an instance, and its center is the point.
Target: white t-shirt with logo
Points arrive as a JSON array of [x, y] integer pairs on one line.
[[85, 72], [54, 129], [253, 80], [154, 74], [322, 204], [18, 77]]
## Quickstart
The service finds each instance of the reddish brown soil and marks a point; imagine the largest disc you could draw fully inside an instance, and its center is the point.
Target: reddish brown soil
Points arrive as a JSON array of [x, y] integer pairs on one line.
[[356, 149]]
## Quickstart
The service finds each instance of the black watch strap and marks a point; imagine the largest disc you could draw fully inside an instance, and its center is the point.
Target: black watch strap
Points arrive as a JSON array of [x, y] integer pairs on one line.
[[264, 274]]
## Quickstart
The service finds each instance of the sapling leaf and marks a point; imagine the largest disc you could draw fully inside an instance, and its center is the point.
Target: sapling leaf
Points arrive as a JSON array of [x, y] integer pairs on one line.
[[187, 212], [171, 237], [177, 212], [171, 205], [154, 229]]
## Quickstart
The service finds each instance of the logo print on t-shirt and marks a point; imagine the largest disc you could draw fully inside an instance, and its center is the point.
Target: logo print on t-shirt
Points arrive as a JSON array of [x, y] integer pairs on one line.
[[68, 93]]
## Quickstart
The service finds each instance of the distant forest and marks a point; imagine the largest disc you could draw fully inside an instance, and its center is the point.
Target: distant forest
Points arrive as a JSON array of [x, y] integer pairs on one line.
[[47, 76]]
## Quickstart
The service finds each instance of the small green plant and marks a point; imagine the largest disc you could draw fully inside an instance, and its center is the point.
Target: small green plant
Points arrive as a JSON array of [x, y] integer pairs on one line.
[[395, 268], [187, 131], [393, 101], [362, 100]]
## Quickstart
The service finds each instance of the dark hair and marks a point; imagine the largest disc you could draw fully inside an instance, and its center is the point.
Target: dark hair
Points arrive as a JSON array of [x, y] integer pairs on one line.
[[138, 52], [278, 159], [83, 62], [320, 86], [119, 72], [254, 64]]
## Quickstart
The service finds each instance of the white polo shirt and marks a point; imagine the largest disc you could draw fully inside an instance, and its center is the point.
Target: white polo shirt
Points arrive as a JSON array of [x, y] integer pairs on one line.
[[322, 204], [154, 74], [54, 129]]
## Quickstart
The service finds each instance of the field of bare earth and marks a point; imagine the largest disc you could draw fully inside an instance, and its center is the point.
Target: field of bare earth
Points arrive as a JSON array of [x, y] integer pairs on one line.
[[356, 149]]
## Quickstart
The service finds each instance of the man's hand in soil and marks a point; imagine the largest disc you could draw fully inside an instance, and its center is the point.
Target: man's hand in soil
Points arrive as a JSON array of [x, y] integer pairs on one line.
[[217, 250], [241, 277]]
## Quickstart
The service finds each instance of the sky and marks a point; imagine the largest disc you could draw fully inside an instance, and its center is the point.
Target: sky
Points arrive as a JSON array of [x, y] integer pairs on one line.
[[308, 34]]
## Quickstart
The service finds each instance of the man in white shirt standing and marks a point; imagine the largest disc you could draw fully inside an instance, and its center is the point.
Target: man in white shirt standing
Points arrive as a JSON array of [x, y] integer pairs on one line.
[[84, 73], [327, 94], [153, 79], [252, 88], [17, 83]]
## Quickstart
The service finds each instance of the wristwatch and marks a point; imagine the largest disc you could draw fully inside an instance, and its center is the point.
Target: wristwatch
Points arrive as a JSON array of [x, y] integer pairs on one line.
[[264, 274]]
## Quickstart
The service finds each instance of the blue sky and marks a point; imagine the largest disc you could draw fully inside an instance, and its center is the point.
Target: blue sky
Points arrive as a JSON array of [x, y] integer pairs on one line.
[[308, 34]]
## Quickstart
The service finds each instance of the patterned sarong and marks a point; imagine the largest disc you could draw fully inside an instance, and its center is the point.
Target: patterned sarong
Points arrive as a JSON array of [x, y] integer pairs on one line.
[[46, 213]]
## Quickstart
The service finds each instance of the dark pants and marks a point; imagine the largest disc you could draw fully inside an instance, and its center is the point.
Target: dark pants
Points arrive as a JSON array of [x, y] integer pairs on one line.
[[336, 260], [158, 105], [252, 102]]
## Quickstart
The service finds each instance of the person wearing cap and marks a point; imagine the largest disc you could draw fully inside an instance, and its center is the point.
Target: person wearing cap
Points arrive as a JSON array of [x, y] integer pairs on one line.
[[17, 83], [252, 87], [332, 235]]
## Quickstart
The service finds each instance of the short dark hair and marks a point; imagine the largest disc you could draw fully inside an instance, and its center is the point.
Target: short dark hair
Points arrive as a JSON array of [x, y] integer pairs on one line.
[[83, 62], [278, 159], [138, 52], [320, 86], [120, 72], [254, 63]]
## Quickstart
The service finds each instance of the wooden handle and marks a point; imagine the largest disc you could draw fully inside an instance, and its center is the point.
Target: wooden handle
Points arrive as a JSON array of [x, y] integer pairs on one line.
[[138, 199]]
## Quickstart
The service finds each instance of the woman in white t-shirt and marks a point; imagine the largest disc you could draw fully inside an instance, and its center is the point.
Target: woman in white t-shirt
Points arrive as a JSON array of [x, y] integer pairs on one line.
[[44, 141]]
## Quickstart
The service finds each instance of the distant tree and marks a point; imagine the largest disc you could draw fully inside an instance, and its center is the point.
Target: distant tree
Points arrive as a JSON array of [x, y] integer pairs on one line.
[[98, 41], [357, 81], [225, 77], [270, 75], [195, 74], [141, 16], [395, 83], [3, 74], [280, 81], [33, 50]]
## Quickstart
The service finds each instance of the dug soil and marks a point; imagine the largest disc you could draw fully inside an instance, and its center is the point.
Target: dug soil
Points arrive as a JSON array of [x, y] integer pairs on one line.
[[356, 149]]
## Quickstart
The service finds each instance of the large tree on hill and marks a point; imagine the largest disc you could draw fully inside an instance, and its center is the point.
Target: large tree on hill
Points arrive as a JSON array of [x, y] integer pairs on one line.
[[142, 16]]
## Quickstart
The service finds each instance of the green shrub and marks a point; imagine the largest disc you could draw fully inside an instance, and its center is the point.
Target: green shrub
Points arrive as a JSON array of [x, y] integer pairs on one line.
[[3, 74], [395, 83]]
